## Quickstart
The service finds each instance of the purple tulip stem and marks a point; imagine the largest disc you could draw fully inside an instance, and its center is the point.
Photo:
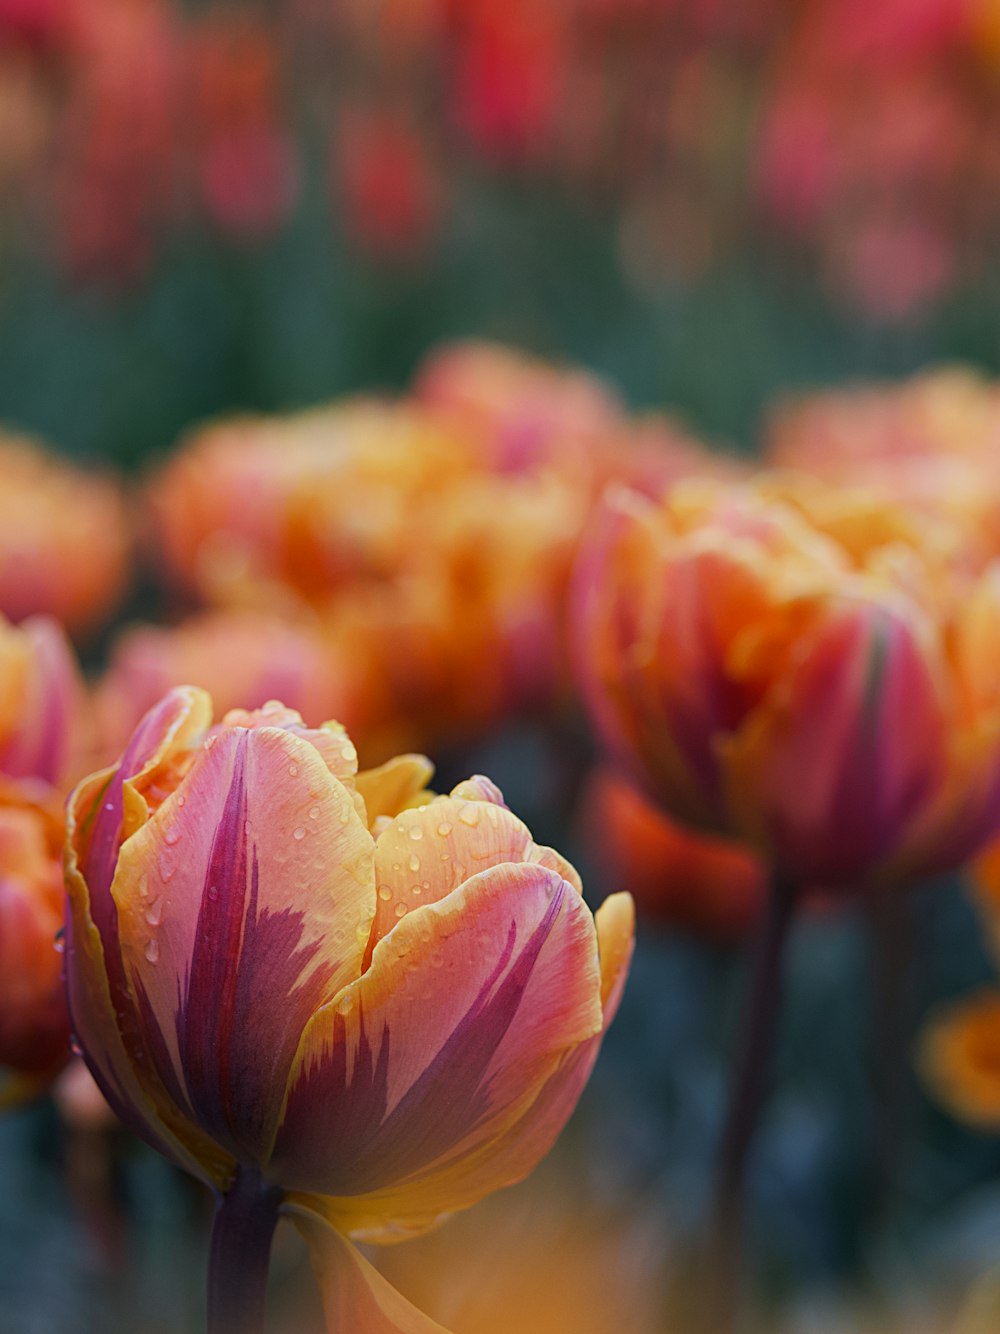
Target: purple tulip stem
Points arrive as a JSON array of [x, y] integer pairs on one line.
[[245, 1220], [748, 1092]]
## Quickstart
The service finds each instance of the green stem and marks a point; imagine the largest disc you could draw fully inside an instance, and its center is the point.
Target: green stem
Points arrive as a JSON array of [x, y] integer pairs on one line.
[[240, 1251], [748, 1092]]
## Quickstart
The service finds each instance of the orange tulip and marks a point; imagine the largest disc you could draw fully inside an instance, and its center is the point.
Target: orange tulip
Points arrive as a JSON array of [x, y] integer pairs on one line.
[[63, 539], [34, 1025], [326, 991], [239, 657], [702, 884], [765, 686]]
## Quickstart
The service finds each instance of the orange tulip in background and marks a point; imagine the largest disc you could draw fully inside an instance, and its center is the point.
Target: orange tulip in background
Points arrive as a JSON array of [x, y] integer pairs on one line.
[[44, 739], [763, 686], [700, 884], [34, 1024], [242, 658], [432, 539], [64, 539], [326, 991]]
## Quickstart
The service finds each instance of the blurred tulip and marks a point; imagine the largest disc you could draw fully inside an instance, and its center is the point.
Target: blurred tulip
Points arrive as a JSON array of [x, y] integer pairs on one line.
[[927, 443], [34, 1024], [699, 884], [64, 539], [258, 944], [45, 734], [764, 688], [239, 657]]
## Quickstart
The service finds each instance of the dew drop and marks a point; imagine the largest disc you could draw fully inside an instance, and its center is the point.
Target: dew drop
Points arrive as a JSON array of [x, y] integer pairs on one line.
[[171, 835], [144, 886], [213, 892], [180, 802], [414, 862], [293, 769], [299, 833], [425, 884], [400, 910], [313, 812], [384, 893], [469, 814], [154, 913], [152, 949], [444, 828], [345, 815], [167, 870], [109, 805], [416, 832]]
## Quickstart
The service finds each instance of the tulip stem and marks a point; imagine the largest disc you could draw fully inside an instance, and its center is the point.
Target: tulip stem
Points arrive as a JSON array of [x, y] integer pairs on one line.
[[748, 1091], [245, 1220]]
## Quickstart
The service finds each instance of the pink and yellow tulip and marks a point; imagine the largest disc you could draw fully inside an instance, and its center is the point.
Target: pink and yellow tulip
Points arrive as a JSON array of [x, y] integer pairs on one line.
[[769, 683], [327, 991]]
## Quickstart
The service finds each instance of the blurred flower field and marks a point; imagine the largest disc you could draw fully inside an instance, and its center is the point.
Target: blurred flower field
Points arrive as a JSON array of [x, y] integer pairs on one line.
[[600, 398]]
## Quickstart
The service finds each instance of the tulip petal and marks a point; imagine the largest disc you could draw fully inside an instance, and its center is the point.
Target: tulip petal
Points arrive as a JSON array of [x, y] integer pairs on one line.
[[394, 785], [99, 1003], [866, 697], [468, 1008], [514, 1153], [426, 853], [243, 907], [356, 1298]]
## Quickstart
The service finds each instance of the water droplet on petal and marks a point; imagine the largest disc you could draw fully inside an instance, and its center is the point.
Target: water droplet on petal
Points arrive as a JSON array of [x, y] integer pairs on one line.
[[154, 913], [171, 835], [444, 828], [313, 812], [400, 909], [299, 833], [416, 832], [213, 892], [414, 863], [152, 949], [469, 814], [293, 769], [384, 893]]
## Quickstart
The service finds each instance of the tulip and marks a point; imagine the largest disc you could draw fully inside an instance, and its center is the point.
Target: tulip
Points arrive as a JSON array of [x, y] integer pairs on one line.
[[826, 702], [239, 657], [765, 688], [34, 1025], [44, 728], [63, 539], [326, 992]]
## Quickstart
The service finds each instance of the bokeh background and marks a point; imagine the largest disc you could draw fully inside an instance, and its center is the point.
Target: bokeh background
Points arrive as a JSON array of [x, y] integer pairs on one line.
[[208, 208]]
